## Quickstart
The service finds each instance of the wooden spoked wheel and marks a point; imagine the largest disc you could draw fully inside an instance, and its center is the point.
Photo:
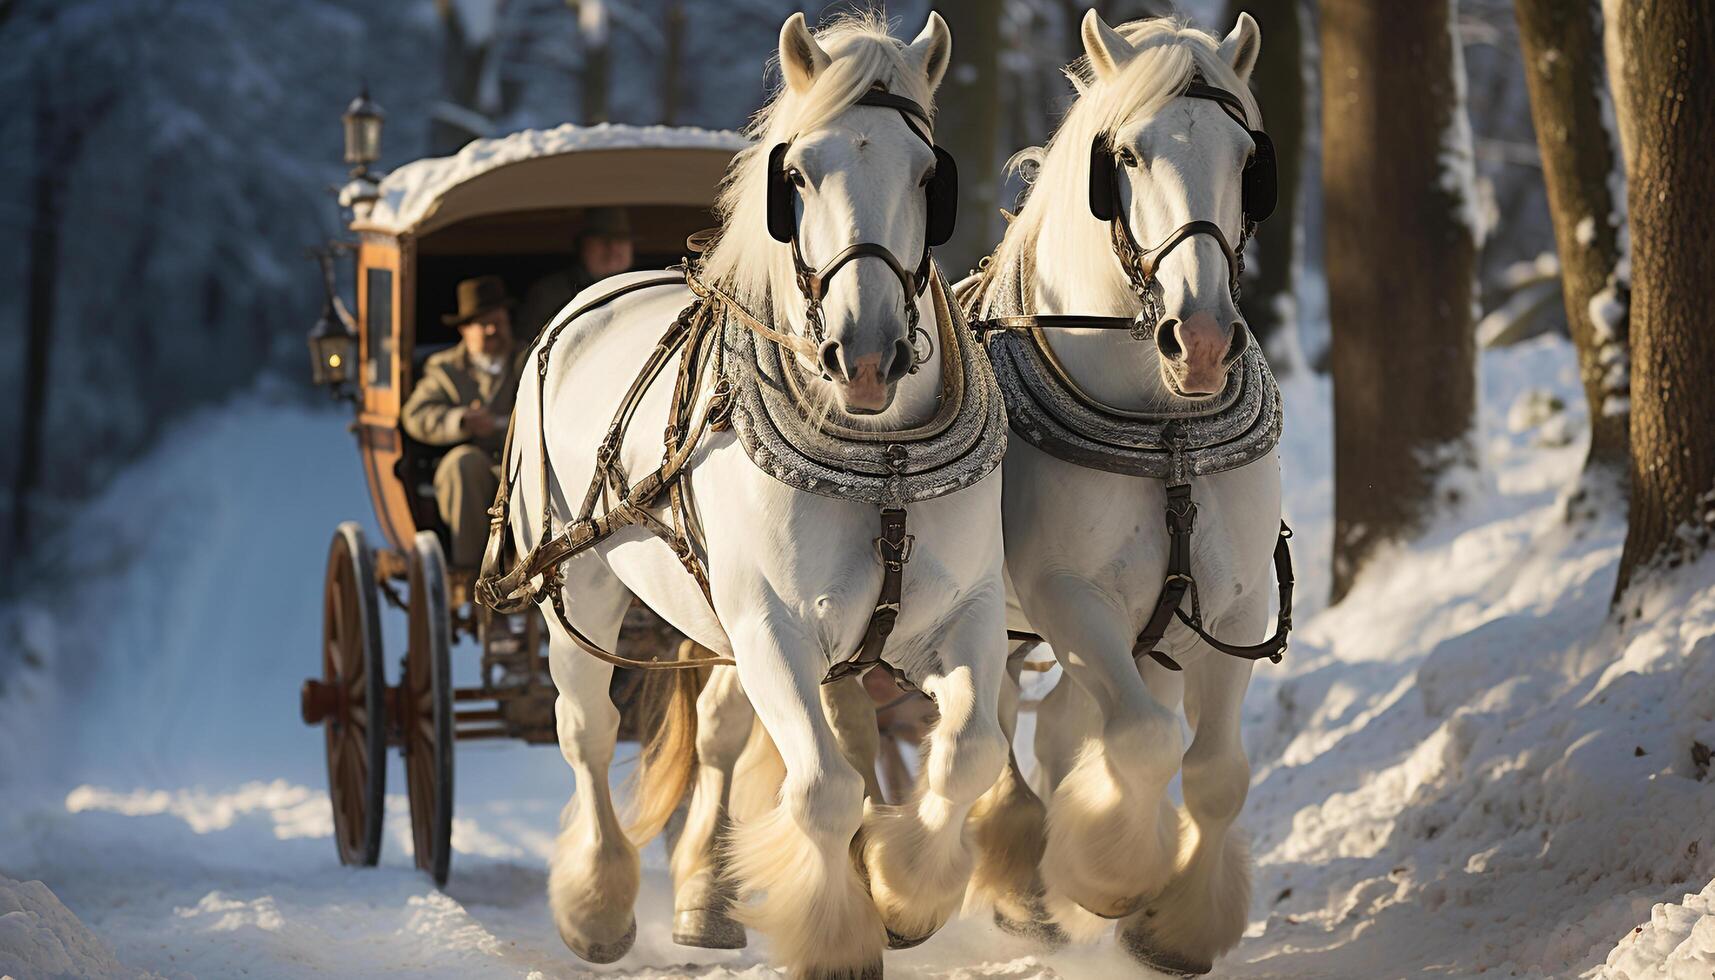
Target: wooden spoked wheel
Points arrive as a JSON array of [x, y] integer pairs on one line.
[[349, 699], [426, 708]]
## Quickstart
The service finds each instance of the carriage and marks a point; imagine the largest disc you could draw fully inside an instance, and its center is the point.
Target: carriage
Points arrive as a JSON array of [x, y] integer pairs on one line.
[[507, 206]]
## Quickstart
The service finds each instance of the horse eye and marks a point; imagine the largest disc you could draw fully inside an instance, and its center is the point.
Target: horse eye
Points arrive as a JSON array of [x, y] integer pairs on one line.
[[796, 176], [1127, 157]]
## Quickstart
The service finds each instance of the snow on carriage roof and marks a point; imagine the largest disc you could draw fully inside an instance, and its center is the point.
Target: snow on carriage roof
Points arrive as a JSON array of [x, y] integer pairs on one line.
[[410, 195]]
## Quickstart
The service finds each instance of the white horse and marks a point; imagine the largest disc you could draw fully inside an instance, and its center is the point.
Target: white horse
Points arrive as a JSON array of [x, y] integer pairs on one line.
[[1087, 550], [794, 576]]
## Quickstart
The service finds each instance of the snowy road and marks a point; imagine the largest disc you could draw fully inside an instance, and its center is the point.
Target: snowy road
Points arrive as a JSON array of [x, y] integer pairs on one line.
[[1454, 773]]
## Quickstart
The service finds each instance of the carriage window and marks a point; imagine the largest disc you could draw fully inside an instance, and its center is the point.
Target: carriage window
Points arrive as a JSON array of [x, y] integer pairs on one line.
[[380, 327]]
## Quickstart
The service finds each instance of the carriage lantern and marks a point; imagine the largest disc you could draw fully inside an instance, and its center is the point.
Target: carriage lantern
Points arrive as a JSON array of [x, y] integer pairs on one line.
[[333, 342], [362, 133]]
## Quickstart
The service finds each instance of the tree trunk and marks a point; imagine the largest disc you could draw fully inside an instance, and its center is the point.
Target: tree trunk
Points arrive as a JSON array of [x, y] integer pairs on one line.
[[1270, 301], [42, 278], [594, 29], [672, 59], [1670, 97], [1401, 255], [59, 132], [1563, 65], [461, 77], [1620, 75], [970, 129]]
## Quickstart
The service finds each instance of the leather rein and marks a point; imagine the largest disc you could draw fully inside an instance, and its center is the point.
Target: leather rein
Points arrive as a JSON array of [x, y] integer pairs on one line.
[[1141, 267]]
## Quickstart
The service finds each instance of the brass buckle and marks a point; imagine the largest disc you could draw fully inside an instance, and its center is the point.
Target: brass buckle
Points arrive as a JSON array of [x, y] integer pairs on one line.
[[903, 552]]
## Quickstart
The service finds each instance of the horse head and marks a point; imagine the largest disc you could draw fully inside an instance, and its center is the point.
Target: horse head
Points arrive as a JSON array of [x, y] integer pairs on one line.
[[849, 132], [1179, 181]]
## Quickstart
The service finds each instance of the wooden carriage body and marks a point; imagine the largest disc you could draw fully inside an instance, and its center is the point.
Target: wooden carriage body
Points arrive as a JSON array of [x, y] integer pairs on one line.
[[509, 207]]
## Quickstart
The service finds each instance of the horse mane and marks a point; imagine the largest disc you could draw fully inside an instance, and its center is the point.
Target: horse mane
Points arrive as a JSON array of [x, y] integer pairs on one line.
[[1169, 52], [744, 260]]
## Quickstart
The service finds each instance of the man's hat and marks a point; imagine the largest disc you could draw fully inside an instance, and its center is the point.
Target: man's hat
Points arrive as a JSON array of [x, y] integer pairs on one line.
[[606, 223], [478, 296]]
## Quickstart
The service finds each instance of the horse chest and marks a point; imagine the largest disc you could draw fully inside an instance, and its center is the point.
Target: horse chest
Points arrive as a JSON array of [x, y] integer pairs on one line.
[[1107, 532]]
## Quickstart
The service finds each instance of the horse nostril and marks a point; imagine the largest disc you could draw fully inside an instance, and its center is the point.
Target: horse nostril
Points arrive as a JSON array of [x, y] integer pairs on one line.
[[833, 361], [1166, 341], [900, 366], [1241, 340]]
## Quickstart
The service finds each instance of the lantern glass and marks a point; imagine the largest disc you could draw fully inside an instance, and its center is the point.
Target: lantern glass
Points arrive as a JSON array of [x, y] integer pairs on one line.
[[362, 131], [333, 351]]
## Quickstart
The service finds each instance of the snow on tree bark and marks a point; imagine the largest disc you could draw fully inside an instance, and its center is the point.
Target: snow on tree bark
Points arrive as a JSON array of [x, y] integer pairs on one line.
[[1401, 257], [1669, 94], [1563, 67]]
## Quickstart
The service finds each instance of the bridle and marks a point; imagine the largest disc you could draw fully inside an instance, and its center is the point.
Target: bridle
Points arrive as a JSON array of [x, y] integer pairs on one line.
[[941, 197], [1259, 194]]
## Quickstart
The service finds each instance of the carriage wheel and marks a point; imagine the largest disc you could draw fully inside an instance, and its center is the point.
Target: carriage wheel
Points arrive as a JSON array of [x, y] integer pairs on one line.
[[426, 701], [348, 700]]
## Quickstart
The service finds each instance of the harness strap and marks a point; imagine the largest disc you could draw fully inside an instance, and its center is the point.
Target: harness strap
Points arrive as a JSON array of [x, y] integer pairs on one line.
[[787, 341], [892, 549], [1052, 321]]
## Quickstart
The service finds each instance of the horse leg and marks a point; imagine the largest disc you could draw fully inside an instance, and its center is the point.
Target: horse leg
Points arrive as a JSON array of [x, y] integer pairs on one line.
[[594, 874], [1008, 827], [851, 712], [702, 892], [794, 863], [1112, 833], [1065, 720], [1203, 911], [915, 854]]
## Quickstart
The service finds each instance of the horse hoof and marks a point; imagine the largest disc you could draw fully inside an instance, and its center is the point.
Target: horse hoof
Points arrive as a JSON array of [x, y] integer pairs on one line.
[[1170, 963], [1118, 910], [1040, 931], [869, 971], [599, 953], [707, 929], [896, 941]]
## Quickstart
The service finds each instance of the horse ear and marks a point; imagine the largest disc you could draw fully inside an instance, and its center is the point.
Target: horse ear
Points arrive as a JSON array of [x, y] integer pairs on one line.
[[1107, 50], [801, 58], [1241, 47], [932, 50]]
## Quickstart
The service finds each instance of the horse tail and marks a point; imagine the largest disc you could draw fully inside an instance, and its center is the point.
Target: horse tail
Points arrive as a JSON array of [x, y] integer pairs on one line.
[[668, 699]]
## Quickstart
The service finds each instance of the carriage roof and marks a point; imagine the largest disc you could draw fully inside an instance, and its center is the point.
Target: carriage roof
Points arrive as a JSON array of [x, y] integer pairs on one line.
[[554, 169]]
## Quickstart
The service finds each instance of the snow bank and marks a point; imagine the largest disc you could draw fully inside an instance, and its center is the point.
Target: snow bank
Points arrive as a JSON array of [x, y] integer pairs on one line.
[[1466, 767], [41, 940], [1677, 943], [408, 193]]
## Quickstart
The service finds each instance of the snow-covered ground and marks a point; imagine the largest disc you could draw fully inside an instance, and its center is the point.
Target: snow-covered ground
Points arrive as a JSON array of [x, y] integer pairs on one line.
[[1464, 768]]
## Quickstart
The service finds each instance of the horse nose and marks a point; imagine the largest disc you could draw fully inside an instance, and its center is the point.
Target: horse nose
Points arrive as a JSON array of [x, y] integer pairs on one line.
[[900, 364], [1241, 341], [833, 360], [891, 363], [1166, 342]]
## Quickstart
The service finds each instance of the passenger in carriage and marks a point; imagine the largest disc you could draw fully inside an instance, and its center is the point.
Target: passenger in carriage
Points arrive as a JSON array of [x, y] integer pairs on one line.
[[603, 248], [464, 400]]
